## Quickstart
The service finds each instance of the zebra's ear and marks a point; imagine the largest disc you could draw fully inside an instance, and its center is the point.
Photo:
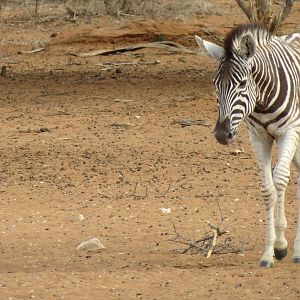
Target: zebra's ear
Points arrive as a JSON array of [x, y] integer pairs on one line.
[[247, 46], [211, 49]]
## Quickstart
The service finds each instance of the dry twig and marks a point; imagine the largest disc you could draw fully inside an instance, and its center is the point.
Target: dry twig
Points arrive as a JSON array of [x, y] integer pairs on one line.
[[136, 196], [213, 243], [167, 190], [31, 51], [210, 243], [206, 245]]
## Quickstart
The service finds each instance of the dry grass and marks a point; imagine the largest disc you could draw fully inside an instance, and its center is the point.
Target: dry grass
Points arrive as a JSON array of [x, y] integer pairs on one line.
[[181, 9], [164, 8], [149, 8]]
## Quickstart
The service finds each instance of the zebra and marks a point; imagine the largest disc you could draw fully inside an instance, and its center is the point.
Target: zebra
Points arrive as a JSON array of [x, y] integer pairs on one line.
[[258, 81]]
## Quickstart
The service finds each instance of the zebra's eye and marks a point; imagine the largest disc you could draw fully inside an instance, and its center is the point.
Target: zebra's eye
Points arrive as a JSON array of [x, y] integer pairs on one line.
[[243, 84]]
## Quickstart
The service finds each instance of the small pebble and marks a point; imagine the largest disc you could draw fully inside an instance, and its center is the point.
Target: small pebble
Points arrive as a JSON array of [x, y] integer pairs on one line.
[[80, 217], [165, 210], [91, 245]]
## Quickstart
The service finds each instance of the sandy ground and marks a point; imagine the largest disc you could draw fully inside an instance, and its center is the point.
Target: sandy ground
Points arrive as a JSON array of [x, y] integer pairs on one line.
[[78, 137]]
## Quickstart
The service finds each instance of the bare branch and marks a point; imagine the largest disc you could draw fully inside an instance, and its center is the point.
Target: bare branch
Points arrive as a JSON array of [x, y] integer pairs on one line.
[[261, 11], [167, 190], [264, 10], [206, 245], [136, 196], [213, 244], [165, 45], [247, 10], [283, 13]]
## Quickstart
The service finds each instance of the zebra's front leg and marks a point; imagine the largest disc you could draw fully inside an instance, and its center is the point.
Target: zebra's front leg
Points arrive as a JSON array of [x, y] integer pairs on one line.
[[262, 147], [287, 145]]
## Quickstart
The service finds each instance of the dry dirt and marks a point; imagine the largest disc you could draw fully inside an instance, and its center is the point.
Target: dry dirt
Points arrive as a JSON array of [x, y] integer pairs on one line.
[[80, 138]]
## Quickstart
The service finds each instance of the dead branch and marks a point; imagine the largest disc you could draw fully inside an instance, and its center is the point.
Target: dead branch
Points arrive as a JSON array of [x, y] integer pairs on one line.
[[217, 241], [167, 190], [247, 9], [206, 245], [283, 13], [103, 195], [190, 122], [263, 12], [136, 196], [111, 65], [165, 45], [38, 6], [71, 12], [213, 243], [31, 51]]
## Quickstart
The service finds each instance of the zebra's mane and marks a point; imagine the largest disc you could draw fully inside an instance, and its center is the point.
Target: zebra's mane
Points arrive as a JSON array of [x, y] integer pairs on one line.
[[258, 31]]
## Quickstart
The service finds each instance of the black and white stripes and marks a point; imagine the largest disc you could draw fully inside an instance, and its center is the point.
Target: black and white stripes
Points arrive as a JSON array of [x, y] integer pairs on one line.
[[258, 81]]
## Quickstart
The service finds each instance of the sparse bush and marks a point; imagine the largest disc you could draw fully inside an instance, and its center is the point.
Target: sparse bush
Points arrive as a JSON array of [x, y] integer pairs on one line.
[[262, 11], [133, 7], [148, 8], [157, 8]]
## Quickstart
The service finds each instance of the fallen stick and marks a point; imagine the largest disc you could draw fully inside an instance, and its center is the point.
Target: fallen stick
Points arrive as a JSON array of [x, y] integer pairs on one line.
[[166, 45], [213, 244], [31, 51], [112, 64]]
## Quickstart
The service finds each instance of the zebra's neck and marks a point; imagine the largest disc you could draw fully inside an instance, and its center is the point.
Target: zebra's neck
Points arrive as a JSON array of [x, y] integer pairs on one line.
[[276, 69], [276, 74]]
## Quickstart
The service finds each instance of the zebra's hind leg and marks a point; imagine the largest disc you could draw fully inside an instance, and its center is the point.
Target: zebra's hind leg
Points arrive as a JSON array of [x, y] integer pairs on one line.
[[280, 243], [287, 144], [296, 256]]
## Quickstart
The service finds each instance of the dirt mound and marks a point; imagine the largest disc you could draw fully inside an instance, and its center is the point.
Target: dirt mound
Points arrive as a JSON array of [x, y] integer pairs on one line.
[[142, 30]]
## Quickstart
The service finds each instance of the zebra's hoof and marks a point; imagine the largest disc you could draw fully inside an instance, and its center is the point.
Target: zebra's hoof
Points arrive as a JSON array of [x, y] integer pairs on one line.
[[266, 264], [280, 254], [296, 259]]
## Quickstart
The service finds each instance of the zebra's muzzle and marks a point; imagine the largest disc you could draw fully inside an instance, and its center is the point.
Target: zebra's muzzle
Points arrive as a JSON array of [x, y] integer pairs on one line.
[[223, 132]]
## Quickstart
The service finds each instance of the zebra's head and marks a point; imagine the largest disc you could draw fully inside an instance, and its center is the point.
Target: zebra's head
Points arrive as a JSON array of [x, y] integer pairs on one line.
[[234, 83]]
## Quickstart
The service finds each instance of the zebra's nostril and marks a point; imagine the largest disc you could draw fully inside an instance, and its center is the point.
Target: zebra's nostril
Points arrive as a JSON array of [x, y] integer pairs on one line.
[[230, 137], [223, 136]]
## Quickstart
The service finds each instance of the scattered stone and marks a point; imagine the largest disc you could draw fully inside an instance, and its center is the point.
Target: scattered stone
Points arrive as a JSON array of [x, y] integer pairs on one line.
[[80, 217], [165, 210], [3, 71], [91, 245], [237, 151], [44, 129]]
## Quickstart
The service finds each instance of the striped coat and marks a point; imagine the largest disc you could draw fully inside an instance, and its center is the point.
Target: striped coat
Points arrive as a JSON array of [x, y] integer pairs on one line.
[[258, 81]]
